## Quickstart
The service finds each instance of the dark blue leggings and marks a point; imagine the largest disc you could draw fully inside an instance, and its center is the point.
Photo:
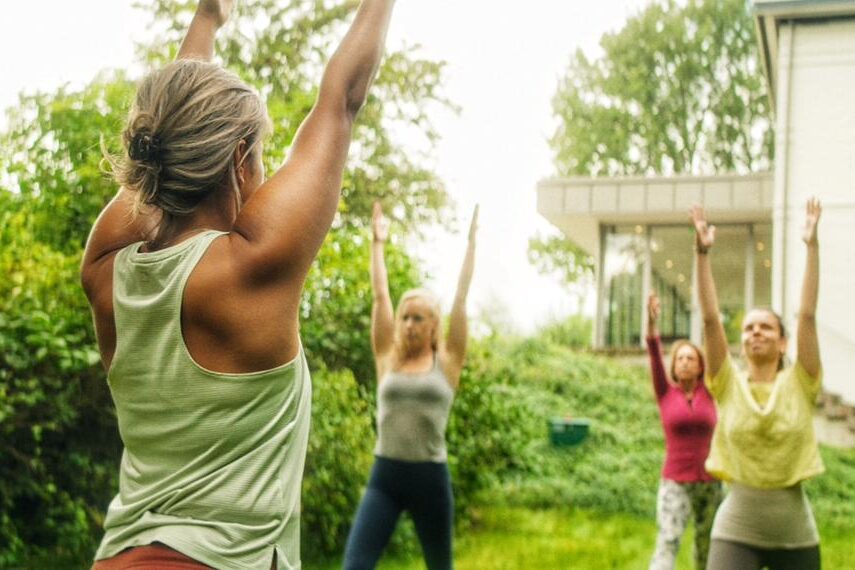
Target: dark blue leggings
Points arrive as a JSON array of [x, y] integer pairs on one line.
[[424, 490]]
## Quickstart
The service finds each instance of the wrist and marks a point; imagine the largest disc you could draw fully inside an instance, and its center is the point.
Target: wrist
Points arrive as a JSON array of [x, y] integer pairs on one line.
[[209, 19]]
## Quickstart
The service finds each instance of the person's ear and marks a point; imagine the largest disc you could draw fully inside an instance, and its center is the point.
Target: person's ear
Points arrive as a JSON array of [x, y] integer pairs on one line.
[[240, 162]]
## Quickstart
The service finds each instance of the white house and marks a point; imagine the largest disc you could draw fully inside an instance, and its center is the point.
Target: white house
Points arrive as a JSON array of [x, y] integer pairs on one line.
[[637, 228]]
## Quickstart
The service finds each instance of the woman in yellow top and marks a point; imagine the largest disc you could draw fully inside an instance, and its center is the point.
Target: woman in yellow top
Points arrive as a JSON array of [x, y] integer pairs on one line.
[[764, 444]]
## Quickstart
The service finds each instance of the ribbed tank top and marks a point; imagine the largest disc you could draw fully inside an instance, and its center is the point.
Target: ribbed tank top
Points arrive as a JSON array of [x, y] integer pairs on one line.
[[213, 462], [412, 414]]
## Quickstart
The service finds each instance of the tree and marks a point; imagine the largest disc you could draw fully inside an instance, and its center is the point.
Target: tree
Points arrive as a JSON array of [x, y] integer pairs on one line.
[[678, 90], [557, 255]]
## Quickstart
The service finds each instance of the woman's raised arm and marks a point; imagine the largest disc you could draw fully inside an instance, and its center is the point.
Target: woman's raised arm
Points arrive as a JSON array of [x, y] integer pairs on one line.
[[455, 345], [807, 344], [382, 317], [654, 347], [285, 221], [715, 341], [199, 41]]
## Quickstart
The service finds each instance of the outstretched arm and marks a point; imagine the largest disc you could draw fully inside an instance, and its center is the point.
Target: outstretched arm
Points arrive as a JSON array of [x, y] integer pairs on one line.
[[287, 218], [807, 345], [199, 41], [382, 317], [654, 348], [715, 341], [455, 345]]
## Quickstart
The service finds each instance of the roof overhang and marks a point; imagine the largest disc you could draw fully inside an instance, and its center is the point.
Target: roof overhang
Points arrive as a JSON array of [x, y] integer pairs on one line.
[[579, 206], [769, 15]]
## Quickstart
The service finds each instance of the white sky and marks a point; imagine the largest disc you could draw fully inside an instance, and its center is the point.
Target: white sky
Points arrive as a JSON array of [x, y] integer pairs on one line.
[[504, 60]]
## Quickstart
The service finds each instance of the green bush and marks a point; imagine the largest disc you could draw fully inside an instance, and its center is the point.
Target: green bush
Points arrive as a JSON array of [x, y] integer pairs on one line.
[[337, 463], [57, 434]]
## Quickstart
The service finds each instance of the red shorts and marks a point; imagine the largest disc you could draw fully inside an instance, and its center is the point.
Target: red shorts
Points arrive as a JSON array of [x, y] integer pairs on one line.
[[153, 557], [149, 557]]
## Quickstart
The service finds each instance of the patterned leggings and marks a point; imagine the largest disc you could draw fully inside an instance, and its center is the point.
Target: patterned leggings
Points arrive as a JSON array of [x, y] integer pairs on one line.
[[675, 503]]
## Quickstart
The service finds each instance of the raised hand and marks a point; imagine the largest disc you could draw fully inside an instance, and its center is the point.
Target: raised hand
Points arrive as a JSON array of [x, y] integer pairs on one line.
[[653, 308], [217, 10], [379, 224], [473, 225], [704, 233], [813, 210]]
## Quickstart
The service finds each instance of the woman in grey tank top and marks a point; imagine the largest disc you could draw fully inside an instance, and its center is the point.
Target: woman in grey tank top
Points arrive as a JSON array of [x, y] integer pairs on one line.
[[417, 375]]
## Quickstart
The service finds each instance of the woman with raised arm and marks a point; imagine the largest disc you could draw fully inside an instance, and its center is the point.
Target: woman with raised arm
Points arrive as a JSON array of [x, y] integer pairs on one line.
[[418, 374], [764, 445], [688, 418], [194, 273]]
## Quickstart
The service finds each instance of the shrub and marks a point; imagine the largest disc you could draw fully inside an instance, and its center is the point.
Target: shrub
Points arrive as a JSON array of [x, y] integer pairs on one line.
[[337, 463]]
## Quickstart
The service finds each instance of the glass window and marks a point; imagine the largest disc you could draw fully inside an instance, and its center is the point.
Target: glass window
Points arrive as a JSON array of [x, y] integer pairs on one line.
[[728, 265], [671, 257], [762, 266], [623, 271]]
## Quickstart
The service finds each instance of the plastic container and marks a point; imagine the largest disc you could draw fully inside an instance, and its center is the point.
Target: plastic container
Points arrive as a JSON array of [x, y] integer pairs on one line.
[[568, 431]]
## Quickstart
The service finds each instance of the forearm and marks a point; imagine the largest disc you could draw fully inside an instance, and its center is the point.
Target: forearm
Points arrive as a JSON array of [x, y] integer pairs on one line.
[[810, 283], [354, 64], [657, 368], [465, 278], [714, 337], [652, 329], [379, 274], [807, 342], [199, 41]]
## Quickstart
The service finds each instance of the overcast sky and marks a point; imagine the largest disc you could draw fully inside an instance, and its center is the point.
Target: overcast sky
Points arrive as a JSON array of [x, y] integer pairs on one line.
[[504, 60]]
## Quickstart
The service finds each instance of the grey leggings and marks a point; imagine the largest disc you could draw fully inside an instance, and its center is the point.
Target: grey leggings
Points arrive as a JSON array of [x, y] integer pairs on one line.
[[727, 555]]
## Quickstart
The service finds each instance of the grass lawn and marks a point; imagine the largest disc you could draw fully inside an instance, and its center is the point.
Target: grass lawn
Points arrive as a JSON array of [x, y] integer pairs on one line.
[[518, 538]]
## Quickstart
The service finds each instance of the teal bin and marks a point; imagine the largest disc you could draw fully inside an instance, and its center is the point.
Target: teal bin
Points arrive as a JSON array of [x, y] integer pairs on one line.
[[566, 431]]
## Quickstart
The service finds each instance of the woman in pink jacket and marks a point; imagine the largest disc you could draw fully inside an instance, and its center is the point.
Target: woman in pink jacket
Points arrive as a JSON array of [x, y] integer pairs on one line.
[[688, 419]]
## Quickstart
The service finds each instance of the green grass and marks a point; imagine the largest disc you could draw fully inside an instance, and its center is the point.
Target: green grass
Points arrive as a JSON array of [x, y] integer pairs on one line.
[[509, 538]]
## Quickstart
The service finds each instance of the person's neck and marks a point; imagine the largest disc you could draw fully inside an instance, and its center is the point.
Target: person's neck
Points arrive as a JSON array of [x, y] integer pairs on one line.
[[213, 213], [688, 386], [762, 371]]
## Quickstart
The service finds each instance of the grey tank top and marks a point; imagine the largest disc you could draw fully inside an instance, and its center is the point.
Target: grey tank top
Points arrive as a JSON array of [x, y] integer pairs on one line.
[[412, 413]]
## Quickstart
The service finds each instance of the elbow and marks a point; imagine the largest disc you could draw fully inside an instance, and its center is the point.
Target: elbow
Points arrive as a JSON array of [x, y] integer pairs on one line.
[[355, 100]]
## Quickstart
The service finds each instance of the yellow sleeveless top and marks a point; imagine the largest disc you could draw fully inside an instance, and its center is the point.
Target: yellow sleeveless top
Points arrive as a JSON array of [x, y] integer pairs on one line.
[[769, 446]]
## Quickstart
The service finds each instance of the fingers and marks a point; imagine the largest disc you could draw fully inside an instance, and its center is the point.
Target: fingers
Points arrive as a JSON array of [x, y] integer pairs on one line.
[[473, 225], [813, 207], [377, 210]]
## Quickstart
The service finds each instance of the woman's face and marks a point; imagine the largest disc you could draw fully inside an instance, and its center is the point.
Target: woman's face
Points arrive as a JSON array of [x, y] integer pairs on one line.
[[761, 336], [416, 325], [687, 365]]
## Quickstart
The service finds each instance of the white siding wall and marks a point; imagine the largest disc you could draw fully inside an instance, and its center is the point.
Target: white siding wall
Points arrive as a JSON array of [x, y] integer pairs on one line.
[[816, 155]]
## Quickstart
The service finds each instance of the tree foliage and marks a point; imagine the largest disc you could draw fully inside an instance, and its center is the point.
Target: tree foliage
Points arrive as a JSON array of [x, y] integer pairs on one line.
[[555, 255], [677, 90]]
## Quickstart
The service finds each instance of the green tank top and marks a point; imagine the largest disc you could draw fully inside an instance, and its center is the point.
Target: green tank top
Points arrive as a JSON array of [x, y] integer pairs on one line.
[[213, 462]]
